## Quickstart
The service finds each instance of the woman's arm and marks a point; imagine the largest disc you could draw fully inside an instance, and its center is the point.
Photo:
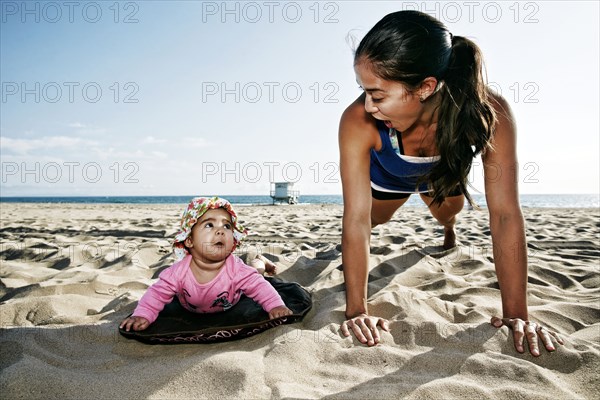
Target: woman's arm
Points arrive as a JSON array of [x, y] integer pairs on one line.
[[356, 222], [508, 232], [506, 220], [357, 135]]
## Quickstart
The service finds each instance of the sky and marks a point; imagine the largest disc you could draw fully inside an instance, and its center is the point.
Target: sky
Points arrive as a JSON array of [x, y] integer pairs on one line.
[[146, 98]]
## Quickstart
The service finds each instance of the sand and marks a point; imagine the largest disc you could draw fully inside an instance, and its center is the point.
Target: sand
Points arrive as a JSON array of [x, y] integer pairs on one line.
[[70, 273]]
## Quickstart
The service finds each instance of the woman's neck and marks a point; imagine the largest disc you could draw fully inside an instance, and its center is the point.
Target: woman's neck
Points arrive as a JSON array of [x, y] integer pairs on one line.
[[429, 115]]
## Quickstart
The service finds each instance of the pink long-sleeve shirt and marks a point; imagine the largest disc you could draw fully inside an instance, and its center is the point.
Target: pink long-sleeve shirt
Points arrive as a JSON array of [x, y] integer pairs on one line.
[[219, 294]]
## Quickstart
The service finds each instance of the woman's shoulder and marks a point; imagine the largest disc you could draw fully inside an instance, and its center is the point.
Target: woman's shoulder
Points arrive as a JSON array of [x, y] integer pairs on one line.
[[505, 131], [357, 124], [501, 108], [355, 113]]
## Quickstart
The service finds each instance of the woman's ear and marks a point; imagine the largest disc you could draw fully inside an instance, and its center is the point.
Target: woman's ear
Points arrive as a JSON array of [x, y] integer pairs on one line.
[[188, 241], [427, 88]]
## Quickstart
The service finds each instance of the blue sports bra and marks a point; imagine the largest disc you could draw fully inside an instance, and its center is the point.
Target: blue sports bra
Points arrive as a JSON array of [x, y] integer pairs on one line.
[[392, 171]]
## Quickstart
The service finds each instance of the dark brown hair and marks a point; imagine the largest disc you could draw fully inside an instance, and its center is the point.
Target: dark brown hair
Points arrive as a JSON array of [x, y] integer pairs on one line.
[[409, 46]]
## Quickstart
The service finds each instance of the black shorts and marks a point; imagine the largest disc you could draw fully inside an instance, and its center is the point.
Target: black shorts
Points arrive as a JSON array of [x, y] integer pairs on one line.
[[379, 195]]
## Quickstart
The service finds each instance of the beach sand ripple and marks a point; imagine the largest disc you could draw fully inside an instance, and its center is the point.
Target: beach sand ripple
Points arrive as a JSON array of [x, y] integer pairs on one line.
[[70, 273]]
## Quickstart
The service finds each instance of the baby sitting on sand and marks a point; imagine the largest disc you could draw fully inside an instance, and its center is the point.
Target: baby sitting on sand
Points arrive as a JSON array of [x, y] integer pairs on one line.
[[208, 277]]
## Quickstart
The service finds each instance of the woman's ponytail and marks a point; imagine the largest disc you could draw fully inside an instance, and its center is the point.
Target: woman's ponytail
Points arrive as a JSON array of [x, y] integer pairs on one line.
[[466, 120]]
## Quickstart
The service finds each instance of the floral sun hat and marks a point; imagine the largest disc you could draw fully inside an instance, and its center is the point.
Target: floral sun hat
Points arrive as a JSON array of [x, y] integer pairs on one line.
[[195, 210]]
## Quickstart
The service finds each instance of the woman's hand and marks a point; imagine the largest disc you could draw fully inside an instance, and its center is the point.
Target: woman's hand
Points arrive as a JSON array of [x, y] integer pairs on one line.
[[280, 311], [137, 323], [530, 330], [365, 328]]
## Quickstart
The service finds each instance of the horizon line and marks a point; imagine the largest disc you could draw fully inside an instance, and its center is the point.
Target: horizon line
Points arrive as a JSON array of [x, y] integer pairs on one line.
[[240, 195]]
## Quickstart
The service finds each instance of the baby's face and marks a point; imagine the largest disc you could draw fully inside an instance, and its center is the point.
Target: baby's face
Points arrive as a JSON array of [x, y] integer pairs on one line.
[[212, 236]]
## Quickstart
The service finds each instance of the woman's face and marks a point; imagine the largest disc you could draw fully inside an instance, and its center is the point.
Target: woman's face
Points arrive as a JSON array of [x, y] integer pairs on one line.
[[388, 101]]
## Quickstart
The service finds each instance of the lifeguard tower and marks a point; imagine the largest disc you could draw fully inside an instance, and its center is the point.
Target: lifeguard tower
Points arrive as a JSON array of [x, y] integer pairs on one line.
[[284, 192]]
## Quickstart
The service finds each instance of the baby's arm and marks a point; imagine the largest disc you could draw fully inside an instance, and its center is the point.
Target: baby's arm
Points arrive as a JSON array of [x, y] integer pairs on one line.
[[261, 291], [152, 302]]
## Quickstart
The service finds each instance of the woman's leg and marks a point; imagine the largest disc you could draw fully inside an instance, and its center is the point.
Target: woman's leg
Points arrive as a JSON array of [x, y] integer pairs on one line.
[[383, 210], [446, 215]]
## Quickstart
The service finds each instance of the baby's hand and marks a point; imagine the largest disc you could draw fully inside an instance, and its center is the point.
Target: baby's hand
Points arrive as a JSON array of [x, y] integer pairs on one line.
[[280, 311], [137, 323]]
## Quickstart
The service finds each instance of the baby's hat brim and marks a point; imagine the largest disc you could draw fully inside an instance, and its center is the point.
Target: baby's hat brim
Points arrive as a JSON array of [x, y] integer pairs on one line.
[[197, 207]]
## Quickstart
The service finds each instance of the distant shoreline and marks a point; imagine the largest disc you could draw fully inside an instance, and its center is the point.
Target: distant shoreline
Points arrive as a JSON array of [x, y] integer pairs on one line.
[[527, 200]]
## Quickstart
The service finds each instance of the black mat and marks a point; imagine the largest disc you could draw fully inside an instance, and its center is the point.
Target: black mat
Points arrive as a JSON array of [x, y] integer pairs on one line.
[[175, 324]]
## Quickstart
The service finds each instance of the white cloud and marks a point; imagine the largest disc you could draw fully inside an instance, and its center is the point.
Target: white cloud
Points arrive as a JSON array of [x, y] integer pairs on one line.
[[24, 146], [111, 153], [153, 140], [188, 141], [86, 129], [194, 142], [160, 154]]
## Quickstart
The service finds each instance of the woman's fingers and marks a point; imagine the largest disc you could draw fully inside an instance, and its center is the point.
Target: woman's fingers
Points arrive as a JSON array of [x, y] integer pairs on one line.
[[362, 333], [532, 338], [344, 328], [497, 322], [546, 338], [518, 334], [385, 324], [365, 328], [372, 327], [557, 337], [530, 330]]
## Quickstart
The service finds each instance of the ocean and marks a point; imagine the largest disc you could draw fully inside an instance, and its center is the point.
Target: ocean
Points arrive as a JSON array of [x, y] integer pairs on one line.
[[527, 200]]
